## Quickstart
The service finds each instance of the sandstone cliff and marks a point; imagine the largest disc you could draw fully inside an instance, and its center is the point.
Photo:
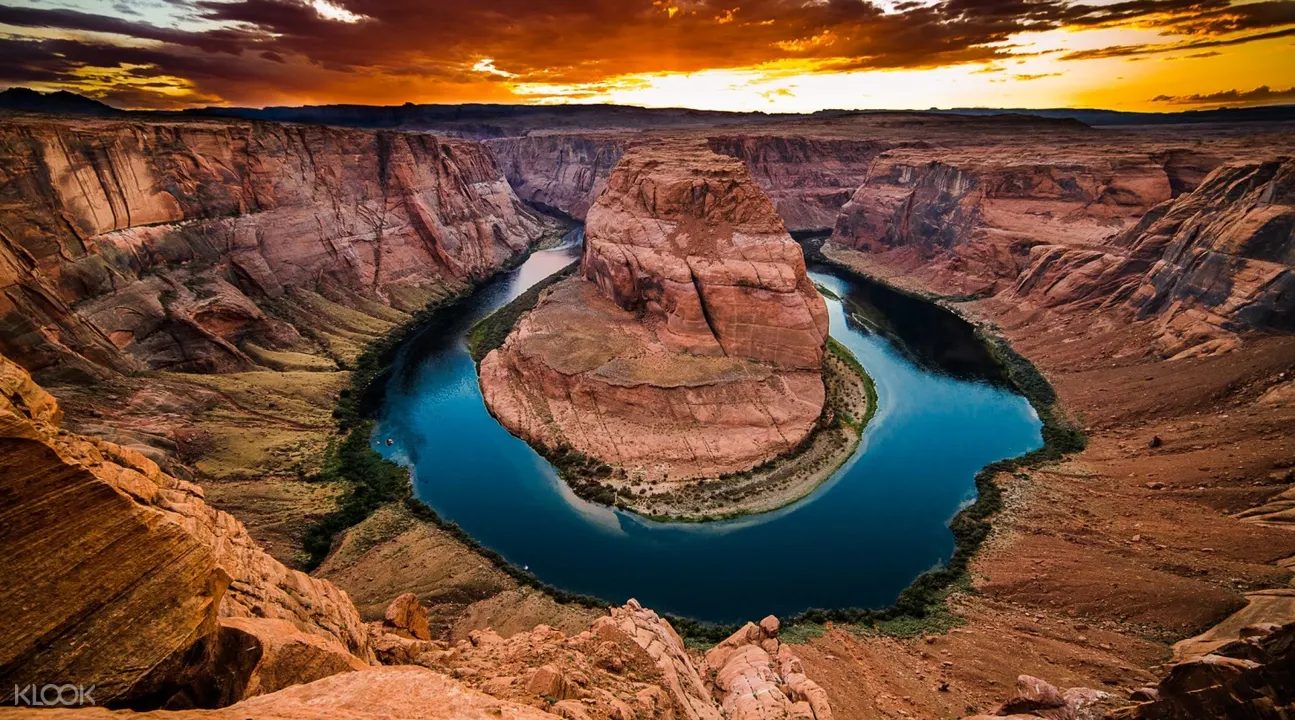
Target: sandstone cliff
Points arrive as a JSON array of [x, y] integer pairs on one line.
[[1213, 261], [968, 221], [808, 178], [563, 172], [121, 576], [129, 245], [693, 343], [1202, 249]]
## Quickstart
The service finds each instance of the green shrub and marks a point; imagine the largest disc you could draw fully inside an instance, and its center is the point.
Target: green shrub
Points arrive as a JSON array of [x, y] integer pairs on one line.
[[370, 481], [490, 332]]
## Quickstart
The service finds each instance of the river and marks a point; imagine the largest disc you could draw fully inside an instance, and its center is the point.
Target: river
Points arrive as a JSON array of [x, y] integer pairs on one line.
[[857, 541]]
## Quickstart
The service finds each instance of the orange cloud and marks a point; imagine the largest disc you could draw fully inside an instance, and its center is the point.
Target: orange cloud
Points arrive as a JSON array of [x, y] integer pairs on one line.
[[389, 51]]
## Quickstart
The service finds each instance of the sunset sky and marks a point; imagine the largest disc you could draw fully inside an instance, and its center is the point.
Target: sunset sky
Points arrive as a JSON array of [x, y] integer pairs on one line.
[[771, 55]]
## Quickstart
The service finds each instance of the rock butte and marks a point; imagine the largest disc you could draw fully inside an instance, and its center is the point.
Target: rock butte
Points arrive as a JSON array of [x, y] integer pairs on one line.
[[691, 344]]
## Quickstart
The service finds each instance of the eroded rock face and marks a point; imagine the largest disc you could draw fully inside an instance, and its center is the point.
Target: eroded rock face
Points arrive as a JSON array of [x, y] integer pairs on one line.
[[1203, 250], [121, 576], [692, 344], [563, 172], [688, 237], [157, 245], [631, 663], [1208, 263], [1253, 676], [809, 179], [760, 678], [1227, 251], [969, 222]]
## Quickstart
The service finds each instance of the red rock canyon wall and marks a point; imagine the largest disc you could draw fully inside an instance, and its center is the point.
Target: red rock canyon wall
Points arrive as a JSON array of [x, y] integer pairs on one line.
[[130, 245]]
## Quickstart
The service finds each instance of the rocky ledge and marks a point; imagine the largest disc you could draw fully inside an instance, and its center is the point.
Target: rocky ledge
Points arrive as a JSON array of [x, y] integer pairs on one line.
[[123, 578], [691, 346]]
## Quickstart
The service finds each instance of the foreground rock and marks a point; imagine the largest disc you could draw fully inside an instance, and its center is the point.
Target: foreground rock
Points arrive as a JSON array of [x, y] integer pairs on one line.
[[375, 694], [632, 664], [762, 679], [692, 343], [121, 576], [1251, 677], [1037, 698]]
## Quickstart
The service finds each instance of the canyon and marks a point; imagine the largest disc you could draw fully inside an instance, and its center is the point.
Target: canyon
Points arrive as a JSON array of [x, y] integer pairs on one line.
[[195, 292], [1051, 211]]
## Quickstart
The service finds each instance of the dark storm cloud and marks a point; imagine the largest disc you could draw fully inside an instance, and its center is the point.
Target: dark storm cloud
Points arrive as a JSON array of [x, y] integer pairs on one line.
[[223, 40], [1133, 50], [1262, 95], [259, 47]]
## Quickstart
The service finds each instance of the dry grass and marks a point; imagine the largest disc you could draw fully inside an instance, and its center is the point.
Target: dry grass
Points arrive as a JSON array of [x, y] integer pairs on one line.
[[254, 451], [288, 361]]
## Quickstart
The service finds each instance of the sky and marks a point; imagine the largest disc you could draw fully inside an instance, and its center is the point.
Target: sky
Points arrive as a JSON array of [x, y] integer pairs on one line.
[[748, 55]]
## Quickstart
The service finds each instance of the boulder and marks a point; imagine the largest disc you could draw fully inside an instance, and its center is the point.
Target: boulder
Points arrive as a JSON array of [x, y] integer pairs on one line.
[[759, 678], [1036, 697], [1202, 673], [288, 656], [407, 616]]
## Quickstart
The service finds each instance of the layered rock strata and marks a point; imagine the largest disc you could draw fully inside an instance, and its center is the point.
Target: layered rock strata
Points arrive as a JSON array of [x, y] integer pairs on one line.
[[1203, 250], [132, 245], [969, 221], [808, 178], [1208, 263], [121, 576], [692, 343], [563, 172]]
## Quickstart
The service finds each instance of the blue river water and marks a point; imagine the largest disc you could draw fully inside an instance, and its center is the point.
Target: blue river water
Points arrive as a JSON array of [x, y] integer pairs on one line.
[[857, 541]]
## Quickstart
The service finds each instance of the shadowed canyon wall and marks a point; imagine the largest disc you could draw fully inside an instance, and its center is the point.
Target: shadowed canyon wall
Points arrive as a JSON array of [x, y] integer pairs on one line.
[[808, 178]]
